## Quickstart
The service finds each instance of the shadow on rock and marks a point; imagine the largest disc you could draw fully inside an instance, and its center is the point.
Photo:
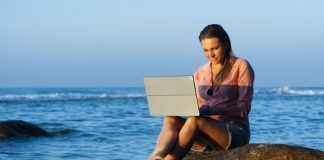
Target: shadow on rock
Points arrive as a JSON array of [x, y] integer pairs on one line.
[[18, 129], [260, 152]]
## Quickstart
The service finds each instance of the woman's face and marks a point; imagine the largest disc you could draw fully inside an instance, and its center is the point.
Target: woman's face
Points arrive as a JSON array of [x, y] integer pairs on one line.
[[213, 50]]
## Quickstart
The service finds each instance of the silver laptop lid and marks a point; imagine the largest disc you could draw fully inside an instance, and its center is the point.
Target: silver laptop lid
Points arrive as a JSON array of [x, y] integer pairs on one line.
[[171, 96]]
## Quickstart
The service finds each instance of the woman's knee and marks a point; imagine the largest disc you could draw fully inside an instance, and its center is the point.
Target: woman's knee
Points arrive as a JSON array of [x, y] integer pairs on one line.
[[173, 121], [191, 122], [201, 121]]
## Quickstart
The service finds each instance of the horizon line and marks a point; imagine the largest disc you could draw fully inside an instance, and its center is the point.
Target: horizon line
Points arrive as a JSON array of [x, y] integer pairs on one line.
[[35, 87]]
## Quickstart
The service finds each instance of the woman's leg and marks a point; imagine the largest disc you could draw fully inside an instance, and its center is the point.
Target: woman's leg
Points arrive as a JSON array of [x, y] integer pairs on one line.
[[215, 131], [168, 136], [185, 140]]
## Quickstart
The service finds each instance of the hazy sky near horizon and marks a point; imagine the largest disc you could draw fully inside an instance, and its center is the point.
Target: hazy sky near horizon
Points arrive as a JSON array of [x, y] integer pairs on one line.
[[79, 43]]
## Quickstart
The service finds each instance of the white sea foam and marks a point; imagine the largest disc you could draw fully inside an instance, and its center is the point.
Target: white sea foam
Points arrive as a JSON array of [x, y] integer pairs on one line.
[[62, 96], [287, 90]]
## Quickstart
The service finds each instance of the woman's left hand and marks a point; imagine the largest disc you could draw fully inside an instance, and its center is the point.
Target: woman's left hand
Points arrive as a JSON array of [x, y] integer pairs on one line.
[[205, 110]]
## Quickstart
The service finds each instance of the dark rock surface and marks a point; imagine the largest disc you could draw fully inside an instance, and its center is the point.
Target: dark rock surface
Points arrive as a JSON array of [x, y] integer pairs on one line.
[[18, 128], [260, 152]]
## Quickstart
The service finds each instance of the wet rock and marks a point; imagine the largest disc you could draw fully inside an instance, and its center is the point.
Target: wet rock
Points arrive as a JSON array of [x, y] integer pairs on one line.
[[260, 152], [18, 128]]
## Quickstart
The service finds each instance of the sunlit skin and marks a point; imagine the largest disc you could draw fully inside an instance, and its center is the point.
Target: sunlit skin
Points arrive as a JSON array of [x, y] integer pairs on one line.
[[178, 135]]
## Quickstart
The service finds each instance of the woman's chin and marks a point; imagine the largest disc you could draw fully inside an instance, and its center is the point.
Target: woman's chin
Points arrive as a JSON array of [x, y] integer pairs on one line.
[[214, 61]]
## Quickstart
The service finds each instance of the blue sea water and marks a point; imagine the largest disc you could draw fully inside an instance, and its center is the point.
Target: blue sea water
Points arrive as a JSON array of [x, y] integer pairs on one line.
[[114, 123]]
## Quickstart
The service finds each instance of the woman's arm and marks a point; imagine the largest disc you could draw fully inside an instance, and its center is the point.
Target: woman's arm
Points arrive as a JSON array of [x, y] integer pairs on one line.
[[229, 111], [245, 88], [196, 81]]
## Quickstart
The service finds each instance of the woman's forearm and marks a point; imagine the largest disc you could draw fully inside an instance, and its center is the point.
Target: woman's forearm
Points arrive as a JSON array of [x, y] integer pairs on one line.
[[229, 111]]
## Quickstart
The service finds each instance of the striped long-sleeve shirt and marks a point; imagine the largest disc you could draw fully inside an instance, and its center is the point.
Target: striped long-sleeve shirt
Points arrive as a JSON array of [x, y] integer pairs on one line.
[[235, 90]]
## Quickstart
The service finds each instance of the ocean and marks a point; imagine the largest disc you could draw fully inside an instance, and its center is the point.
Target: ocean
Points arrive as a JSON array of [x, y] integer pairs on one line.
[[114, 123]]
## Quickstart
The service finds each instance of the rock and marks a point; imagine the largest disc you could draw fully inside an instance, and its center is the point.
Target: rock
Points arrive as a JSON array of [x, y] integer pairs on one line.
[[18, 128], [260, 152]]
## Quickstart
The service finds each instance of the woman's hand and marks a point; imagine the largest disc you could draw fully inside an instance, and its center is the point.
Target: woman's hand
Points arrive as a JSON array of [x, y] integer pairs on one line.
[[209, 110], [205, 110], [230, 111]]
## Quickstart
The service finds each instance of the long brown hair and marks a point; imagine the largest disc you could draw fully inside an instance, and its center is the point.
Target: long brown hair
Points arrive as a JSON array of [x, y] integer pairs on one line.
[[217, 31]]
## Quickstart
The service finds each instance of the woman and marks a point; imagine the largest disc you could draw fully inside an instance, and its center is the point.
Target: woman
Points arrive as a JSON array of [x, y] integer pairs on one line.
[[225, 90]]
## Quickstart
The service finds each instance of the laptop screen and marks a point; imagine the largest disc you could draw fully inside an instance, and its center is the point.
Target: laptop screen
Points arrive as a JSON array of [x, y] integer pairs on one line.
[[171, 96]]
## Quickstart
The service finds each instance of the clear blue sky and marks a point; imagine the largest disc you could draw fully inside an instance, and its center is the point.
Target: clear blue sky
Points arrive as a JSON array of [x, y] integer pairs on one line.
[[60, 43]]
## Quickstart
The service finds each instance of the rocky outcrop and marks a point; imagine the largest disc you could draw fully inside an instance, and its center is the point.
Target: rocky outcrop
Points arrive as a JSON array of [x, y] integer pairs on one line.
[[260, 152], [18, 128]]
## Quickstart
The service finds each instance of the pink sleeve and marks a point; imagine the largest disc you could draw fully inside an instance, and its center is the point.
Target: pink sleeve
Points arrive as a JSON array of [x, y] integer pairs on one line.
[[245, 88], [196, 79]]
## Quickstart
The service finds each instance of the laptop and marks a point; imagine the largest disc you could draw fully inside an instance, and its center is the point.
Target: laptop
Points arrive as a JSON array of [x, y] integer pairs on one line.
[[171, 96]]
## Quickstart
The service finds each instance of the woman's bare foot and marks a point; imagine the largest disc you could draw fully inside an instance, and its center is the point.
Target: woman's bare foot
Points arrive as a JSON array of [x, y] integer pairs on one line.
[[199, 146]]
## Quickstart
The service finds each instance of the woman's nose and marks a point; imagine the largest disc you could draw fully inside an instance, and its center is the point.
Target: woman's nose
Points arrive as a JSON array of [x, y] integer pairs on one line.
[[211, 53]]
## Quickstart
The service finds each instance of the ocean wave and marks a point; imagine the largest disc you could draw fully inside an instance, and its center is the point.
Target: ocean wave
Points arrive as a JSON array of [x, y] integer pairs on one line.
[[66, 96], [287, 90]]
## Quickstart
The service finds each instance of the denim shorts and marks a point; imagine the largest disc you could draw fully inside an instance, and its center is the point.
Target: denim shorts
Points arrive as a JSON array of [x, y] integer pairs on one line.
[[239, 135]]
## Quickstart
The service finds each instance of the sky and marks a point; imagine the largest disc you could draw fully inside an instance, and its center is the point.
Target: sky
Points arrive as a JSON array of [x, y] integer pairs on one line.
[[98, 43]]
